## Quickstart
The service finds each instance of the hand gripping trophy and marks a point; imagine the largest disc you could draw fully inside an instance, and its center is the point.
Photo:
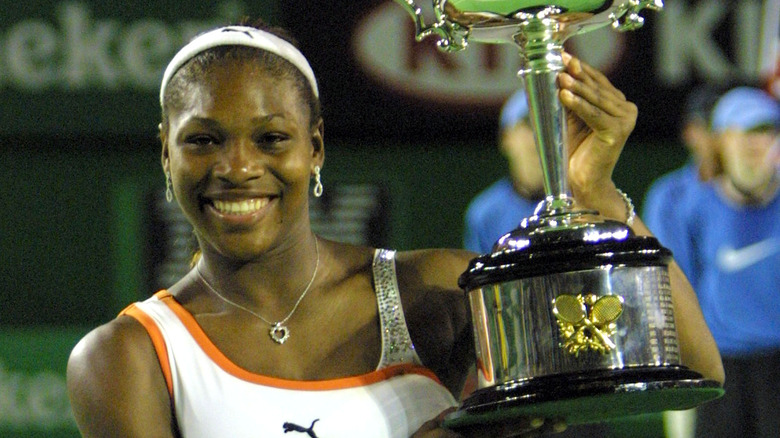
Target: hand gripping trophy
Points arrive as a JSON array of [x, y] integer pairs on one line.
[[572, 312]]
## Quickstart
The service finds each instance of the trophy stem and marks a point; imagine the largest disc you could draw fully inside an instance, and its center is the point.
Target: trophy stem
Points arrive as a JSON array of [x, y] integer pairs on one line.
[[541, 61]]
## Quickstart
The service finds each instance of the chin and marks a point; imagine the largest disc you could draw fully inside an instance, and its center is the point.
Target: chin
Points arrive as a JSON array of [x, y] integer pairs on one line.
[[241, 256], [239, 249]]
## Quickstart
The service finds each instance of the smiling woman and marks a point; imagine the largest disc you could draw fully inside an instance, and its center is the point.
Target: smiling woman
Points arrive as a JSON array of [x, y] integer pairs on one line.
[[278, 330], [249, 150]]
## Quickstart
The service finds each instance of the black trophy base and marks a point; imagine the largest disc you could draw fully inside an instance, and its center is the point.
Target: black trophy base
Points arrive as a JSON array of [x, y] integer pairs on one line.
[[587, 397]]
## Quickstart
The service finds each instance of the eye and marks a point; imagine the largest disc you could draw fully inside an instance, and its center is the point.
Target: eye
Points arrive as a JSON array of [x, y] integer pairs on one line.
[[273, 137], [201, 140], [272, 140]]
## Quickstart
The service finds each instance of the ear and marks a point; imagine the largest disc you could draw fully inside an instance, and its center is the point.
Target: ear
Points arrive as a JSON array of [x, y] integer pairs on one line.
[[318, 144], [165, 156], [718, 161], [504, 138]]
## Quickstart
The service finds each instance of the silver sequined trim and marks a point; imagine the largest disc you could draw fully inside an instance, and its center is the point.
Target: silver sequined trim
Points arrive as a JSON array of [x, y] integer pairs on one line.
[[397, 345]]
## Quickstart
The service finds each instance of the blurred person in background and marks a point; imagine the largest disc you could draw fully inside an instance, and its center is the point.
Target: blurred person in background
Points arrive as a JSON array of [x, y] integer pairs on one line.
[[499, 208], [696, 133], [728, 244], [665, 200]]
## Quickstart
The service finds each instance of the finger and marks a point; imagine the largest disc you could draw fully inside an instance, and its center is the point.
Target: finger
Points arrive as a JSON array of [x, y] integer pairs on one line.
[[590, 83], [588, 74], [552, 426], [601, 116], [436, 433], [601, 79], [575, 70], [508, 428], [433, 428], [592, 115], [605, 99], [427, 427], [534, 428]]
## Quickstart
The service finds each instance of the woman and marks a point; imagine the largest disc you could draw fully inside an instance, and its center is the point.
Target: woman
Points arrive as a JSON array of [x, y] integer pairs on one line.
[[276, 330]]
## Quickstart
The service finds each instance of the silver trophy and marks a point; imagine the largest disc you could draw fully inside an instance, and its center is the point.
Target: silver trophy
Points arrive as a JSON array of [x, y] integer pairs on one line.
[[572, 312]]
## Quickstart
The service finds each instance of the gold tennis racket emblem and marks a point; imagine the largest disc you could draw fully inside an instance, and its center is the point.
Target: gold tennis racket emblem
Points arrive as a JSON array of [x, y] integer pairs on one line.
[[587, 323]]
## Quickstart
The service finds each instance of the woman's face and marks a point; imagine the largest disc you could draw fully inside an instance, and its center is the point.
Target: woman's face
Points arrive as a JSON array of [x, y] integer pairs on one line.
[[241, 153]]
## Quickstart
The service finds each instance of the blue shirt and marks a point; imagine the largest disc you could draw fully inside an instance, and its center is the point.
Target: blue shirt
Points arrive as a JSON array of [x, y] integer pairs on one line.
[[731, 255], [494, 212], [669, 201]]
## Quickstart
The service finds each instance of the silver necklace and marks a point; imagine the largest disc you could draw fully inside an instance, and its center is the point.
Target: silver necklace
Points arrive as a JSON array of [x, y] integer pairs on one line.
[[279, 331]]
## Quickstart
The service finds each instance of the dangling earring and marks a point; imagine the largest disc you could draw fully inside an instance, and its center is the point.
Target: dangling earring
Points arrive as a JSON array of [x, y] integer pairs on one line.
[[168, 187], [317, 182]]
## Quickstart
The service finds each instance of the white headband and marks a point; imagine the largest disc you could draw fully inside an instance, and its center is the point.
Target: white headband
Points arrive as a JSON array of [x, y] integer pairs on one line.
[[239, 36]]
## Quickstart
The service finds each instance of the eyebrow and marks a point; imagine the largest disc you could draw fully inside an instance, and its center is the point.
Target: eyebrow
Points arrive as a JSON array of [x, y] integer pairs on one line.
[[268, 118], [211, 123], [255, 120]]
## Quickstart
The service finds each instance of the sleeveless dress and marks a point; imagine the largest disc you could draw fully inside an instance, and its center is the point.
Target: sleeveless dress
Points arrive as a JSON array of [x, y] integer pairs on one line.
[[213, 397]]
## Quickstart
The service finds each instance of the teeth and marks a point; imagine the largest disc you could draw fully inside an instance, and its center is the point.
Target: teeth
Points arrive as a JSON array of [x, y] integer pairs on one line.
[[240, 207]]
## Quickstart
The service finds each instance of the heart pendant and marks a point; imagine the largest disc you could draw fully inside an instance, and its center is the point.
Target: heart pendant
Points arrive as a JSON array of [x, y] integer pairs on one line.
[[279, 333]]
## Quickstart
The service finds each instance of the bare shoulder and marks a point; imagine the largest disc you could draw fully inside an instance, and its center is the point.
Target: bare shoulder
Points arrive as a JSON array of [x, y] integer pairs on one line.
[[116, 385], [119, 343], [435, 267], [350, 257]]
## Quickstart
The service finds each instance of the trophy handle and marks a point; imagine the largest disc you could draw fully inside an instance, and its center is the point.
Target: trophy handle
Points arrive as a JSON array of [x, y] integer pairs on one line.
[[453, 36], [627, 17]]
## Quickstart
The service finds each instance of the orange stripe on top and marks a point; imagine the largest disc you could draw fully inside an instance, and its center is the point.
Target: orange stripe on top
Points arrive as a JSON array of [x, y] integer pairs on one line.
[[157, 340], [230, 367]]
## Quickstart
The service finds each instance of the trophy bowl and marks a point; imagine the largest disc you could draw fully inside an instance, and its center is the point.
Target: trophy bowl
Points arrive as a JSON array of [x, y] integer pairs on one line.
[[572, 312]]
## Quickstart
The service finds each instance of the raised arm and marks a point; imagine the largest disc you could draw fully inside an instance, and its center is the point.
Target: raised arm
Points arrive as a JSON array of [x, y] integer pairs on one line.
[[116, 385], [600, 121]]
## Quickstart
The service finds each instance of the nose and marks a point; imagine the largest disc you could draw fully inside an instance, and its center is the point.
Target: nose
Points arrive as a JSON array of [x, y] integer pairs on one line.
[[239, 162]]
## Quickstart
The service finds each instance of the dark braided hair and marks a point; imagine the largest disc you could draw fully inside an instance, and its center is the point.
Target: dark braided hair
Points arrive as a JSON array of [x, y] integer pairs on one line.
[[192, 71]]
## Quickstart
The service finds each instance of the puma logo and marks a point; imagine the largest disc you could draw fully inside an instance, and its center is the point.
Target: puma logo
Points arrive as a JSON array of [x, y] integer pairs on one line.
[[230, 29], [291, 427]]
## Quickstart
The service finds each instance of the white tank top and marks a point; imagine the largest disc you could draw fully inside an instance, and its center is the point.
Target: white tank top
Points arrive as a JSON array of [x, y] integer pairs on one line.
[[213, 397]]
